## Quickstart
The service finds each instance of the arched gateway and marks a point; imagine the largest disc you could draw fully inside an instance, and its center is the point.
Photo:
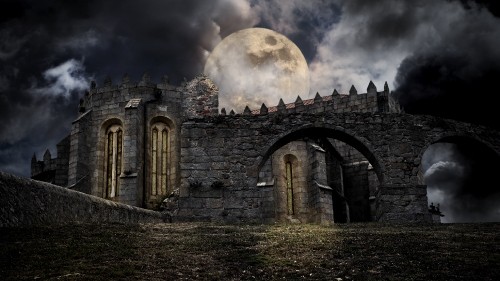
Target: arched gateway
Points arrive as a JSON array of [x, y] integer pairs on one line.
[[335, 158]]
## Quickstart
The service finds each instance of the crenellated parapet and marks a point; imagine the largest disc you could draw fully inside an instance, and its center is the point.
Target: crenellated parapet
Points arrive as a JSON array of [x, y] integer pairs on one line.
[[196, 98], [371, 101], [110, 97]]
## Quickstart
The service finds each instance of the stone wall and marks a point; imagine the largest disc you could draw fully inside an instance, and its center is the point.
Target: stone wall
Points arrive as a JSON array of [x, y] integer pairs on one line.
[[25, 202], [349, 154], [78, 169], [233, 150], [396, 204], [217, 163]]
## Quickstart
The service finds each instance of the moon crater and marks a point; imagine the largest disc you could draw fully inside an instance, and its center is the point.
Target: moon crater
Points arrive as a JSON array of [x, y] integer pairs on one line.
[[257, 65]]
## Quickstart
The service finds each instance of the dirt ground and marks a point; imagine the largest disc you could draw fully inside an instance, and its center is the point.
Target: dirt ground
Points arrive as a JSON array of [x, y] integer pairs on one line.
[[203, 251]]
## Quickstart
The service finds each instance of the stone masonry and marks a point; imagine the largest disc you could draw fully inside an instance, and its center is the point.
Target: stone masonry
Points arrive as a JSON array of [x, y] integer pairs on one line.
[[25, 202], [335, 158]]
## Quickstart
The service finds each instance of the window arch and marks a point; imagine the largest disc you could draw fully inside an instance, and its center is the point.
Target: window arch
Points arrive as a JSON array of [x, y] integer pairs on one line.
[[289, 187], [160, 158], [113, 156], [290, 165]]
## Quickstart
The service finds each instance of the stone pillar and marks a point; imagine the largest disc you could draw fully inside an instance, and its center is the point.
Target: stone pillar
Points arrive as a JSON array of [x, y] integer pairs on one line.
[[78, 170], [397, 203], [400, 197], [326, 204], [131, 185], [320, 192]]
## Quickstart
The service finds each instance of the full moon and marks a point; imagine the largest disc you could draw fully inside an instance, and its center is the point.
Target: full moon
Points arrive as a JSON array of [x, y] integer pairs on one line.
[[255, 66]]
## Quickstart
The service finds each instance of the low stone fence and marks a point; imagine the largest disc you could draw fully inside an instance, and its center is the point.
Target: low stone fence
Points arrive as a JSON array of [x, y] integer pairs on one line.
[[26, 202]]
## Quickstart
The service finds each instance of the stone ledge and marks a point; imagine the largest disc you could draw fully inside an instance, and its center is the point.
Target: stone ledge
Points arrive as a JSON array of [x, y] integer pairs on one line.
[[26, 202]]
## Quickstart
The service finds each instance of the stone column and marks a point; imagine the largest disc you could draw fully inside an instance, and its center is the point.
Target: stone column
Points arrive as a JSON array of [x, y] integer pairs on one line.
[[78, 170], [131, 184], [320, 192]]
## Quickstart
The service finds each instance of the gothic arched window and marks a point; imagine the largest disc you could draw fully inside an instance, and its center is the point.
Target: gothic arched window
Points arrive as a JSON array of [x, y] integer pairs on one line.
[[159, 158], [113, 160], [289, 187]]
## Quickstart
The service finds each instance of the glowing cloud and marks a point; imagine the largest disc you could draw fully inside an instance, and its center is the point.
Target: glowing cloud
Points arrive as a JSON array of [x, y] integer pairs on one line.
[[64, 79]]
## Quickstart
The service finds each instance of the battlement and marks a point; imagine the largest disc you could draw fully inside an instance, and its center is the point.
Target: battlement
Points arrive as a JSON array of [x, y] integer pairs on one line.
[[109, 95], [195, 98], [144, 83], [126, 82], [199, 97], [371, 101]]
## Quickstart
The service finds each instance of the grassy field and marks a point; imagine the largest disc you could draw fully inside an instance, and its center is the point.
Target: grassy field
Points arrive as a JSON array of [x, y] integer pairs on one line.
[[201, 251]]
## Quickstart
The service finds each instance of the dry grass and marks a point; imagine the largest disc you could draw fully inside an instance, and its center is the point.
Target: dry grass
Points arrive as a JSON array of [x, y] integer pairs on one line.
[[201, 251]]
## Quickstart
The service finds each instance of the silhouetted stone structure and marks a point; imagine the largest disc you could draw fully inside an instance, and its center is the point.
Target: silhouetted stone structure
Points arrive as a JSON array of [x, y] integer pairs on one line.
[[336, 158]]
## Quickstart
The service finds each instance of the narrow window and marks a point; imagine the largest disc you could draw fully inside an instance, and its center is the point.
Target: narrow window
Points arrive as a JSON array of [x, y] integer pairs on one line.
[[164, 164], [118, 168], [109, 165], [289, 188], [154, 164], [159, 159], [113, 162]]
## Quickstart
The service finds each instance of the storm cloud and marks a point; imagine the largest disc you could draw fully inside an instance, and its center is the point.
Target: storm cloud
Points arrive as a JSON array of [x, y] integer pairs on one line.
[[461, 177], [50, 50]]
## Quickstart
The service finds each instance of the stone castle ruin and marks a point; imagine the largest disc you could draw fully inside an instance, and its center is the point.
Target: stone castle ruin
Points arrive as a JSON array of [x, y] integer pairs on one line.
[[336, 158]]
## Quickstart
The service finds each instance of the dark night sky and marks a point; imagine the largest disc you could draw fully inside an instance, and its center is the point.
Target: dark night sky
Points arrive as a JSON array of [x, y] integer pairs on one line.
[[440, 57]]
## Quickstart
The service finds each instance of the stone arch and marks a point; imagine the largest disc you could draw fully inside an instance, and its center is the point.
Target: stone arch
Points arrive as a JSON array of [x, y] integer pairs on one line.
[[469, 184], [163, 119], [325, 132], [317, 189], [165, 128], [467, 140], [462, 139], [99, 189]]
